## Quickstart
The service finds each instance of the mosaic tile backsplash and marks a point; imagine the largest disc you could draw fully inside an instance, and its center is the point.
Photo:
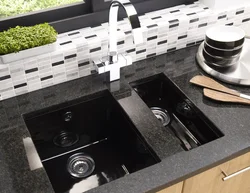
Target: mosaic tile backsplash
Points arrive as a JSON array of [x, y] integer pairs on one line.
[[164, 31]]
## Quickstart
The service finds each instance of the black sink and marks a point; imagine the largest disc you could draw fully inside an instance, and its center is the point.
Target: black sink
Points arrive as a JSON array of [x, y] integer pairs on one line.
[[176, 112], [86, 143]]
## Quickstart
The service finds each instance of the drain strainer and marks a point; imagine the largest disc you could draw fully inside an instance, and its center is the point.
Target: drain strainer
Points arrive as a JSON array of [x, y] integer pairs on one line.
[[65, 139], [80, 165], [162, 115]]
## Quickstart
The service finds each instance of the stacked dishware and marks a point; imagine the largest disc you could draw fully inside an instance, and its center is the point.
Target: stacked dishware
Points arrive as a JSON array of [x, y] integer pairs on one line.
[[225, 55], [223, 46]]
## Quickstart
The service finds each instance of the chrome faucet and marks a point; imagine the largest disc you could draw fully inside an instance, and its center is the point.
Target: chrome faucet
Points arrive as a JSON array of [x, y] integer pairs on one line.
[[115, 61]]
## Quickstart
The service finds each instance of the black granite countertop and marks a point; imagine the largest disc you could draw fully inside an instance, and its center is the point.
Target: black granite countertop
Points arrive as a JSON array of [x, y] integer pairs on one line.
[[176, 164]]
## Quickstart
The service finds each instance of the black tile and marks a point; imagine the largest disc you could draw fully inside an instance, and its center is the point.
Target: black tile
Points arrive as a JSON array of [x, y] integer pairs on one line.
[[173, 21], [172, 49], [63, 43], [120, 42], [20, 85], [239, 12], [174, 25], [191, 14], [95, 49], [74, 33], [127, 32], [162, 42], [174, 11], [222, 16], [182, 37], [190, 44], [31, 70], [91, 36], [140, 51], [58, 63], [83, 63], [131, 50], [151, 55], [152, 38], [194, 20], [46, 77], [152, 26], [70, 56], [100, 65], [202, 25], [245, 20], [156, 17], [5, 77]]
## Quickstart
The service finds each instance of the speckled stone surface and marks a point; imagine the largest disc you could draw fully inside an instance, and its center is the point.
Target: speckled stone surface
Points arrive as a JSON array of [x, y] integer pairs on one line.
[[176, 164]]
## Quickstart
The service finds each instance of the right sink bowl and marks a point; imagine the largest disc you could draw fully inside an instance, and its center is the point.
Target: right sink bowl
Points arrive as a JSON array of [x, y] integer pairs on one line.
[[176, 112]]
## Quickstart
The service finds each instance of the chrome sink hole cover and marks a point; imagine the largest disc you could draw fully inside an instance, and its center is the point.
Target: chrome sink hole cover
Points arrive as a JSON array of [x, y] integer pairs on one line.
[[80, 165], [162, 115], [65, 139]]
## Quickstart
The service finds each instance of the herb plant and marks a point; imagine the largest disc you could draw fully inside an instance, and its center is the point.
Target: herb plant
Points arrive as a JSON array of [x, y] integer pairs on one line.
[[21, 38]]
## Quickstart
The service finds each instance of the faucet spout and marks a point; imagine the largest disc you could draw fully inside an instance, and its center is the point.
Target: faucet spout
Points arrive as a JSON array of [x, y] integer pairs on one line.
[[114, 62], [133, 19]]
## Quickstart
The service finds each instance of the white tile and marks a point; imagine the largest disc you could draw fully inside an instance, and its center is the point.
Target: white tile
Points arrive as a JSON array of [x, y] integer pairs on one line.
[[96, 39], [8, 94], [71, 75]]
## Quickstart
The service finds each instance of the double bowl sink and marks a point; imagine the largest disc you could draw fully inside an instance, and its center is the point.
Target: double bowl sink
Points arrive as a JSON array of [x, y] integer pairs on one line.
[[92, 141]]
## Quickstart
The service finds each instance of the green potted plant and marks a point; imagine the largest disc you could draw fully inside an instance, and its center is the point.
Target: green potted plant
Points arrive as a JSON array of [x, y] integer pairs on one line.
[[23, 42]]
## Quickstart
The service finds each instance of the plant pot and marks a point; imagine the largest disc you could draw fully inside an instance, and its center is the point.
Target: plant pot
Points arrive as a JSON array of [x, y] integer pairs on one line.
[[8, 58]]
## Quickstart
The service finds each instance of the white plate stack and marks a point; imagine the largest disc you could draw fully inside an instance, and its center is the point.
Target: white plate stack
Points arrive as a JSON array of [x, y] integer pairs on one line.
[[223, 46]]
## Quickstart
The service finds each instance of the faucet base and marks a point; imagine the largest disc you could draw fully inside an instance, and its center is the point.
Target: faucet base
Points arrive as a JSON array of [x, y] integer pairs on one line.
[[103, 66]]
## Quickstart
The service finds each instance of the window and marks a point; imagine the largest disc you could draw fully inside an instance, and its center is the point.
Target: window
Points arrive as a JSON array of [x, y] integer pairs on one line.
[[16, 7], [67, 15]]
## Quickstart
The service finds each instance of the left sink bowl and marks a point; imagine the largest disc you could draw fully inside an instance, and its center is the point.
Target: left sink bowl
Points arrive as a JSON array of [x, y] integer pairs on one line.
[[88, 142]]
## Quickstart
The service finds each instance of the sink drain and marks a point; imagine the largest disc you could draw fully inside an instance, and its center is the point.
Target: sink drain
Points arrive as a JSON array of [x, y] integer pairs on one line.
[[162, 115], [80, 165], [65, 139]]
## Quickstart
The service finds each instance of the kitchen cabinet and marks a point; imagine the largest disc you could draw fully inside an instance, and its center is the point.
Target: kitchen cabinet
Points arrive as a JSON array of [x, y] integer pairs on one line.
[[177, 188], [230, 177], [211, 181]]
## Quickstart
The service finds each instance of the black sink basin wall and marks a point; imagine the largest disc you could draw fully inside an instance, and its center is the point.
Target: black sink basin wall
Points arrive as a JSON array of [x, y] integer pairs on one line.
[[176, 112], [87, 143]]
